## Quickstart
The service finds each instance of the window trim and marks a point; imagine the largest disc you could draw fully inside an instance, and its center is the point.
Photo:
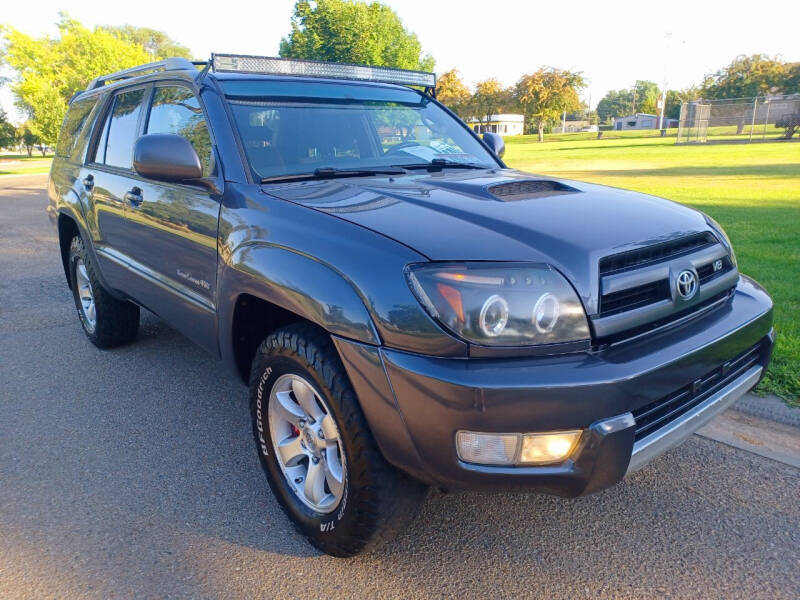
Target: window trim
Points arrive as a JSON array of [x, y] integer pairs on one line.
[[80, 134], [101, 120], [215, 175], [106, 105]]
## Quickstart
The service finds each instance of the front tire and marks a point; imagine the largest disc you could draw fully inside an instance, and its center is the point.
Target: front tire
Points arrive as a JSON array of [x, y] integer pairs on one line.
[[106, 321], [317, 451]]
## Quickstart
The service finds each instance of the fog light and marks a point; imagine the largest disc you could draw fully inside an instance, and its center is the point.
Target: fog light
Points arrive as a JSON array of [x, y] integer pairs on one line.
[[486, 448], [542, 448]]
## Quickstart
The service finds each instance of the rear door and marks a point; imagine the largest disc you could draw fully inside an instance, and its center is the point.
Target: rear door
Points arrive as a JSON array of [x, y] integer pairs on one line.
[[107, 178], [171, 229]]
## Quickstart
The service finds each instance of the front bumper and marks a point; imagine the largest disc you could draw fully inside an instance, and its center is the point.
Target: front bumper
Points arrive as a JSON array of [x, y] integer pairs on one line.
[[415, 404]]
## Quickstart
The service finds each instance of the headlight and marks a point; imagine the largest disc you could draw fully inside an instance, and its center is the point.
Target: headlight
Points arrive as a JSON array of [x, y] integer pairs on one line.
[[500, 304], [723, 237]]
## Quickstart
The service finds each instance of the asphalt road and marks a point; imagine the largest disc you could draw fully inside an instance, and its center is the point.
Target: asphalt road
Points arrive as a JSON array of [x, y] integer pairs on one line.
[[131, 473]]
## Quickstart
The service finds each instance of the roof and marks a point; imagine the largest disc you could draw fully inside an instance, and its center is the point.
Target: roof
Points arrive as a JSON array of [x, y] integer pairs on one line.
[[230, 67]]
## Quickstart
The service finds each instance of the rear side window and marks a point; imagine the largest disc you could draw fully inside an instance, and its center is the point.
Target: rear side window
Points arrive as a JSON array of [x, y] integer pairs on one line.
[[77, 117], [121, 130], [177, 110]]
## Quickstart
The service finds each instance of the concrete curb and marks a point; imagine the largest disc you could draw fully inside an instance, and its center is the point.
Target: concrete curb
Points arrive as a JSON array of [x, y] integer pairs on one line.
[[768, 407]]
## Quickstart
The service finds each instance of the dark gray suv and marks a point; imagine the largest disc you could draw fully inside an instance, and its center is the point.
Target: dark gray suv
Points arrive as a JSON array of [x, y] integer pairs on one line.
[[407, 310]]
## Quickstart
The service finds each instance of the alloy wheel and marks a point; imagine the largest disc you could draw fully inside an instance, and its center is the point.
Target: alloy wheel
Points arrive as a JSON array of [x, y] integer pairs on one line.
[[307, 443]]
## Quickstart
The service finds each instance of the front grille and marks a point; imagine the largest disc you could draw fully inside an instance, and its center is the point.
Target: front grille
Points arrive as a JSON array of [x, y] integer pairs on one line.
[[655, 253], [657, 414], [642, 295], [676, 317], [714, 269], [641, 279]]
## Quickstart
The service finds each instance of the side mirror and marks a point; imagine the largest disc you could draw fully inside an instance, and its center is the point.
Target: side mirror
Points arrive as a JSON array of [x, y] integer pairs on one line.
[[495, 143], [166, 157]]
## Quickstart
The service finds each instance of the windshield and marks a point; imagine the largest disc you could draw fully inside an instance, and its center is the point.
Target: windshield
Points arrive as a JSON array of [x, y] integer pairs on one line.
[[290, 128]]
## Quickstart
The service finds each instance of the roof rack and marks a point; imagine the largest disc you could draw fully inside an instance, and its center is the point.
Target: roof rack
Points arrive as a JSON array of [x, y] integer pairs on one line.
[[239, 63], [168, 64]]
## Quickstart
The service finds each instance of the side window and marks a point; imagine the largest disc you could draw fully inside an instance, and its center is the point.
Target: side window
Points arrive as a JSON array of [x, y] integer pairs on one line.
[[120, 130], [77, 117], [176, 110]]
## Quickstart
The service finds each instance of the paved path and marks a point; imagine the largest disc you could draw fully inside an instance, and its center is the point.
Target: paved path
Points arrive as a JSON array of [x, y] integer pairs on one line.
[[131, 473]]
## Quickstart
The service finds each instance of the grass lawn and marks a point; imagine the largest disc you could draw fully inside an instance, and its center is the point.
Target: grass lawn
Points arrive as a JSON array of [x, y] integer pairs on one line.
[[753, 190], [22, 164]]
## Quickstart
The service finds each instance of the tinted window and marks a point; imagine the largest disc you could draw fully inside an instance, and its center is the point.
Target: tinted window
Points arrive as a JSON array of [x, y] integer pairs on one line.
[[297, 127], [177, 110], [298, 137], [122, 130], [77, 116]]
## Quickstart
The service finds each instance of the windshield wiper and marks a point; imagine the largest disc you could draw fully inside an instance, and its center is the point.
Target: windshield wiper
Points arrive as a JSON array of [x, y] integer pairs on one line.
[[333, 173], [438, 163]]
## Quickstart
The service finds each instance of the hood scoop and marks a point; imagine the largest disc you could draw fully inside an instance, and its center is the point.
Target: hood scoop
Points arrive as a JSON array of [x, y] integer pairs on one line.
[[529, 189]]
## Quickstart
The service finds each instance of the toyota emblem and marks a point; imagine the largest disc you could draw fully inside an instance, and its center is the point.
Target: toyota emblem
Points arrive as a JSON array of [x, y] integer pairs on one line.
[[686, 284]]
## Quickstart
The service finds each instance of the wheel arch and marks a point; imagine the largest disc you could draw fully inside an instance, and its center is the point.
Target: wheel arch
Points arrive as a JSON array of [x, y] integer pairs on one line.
[[264, 287], [67, 230]]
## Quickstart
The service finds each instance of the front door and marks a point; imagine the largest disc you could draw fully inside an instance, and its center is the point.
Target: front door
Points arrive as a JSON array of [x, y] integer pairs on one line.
[[172, 228]]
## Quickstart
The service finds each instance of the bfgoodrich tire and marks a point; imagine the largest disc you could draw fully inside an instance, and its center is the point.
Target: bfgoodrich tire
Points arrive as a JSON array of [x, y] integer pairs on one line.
[[317, 451], [106, 321]]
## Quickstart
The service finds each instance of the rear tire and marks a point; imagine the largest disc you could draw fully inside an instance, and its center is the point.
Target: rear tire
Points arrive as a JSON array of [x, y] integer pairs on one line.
[[374, 501], [106, 321]]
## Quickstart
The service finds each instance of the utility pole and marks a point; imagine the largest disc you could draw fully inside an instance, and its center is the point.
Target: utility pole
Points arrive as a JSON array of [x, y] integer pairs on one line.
[[667, 37], [564, 122]]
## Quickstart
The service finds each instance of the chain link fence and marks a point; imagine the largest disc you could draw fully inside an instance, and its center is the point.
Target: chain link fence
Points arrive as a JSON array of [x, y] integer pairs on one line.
[[763, 118]]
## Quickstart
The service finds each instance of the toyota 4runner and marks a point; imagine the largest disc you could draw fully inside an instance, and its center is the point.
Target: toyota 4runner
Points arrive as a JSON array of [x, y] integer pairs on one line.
[[408, 311]]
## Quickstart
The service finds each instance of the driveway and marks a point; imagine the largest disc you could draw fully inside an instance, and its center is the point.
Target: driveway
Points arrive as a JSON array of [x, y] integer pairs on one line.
[[131, 473]]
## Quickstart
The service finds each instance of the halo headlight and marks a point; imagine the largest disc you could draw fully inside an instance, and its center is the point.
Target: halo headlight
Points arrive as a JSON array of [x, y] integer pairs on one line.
[[500, 304]]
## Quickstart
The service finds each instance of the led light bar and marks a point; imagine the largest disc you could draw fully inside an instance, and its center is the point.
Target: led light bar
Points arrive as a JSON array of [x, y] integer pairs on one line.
[[235, 63]]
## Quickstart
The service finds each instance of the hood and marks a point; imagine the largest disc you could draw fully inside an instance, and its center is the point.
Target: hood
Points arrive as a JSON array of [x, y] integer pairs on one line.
[[502, 215]]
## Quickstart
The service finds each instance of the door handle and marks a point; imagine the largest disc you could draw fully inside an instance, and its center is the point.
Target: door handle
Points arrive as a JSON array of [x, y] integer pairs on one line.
[[88, 182], [134, 197]]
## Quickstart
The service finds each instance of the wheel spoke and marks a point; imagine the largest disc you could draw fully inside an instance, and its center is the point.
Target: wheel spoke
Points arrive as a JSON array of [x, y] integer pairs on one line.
[[288, 409], [307, 443], [334, 474], [91, 313], [305, 398], [315, 482], [329, 430], [83, 272], [291, 450]]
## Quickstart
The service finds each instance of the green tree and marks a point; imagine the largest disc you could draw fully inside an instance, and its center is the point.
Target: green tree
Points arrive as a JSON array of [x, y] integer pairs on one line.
[[28, 137], [8, 133], [354, 32], [451, 91], [646, 95], [616, 103], [490, 98], [49, 71], [749, 76], [793, 78], [675, 98], [156, 43], [546, 94], [642, 98]]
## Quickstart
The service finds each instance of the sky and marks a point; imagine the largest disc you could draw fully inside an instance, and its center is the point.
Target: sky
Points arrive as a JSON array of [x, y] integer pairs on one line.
[[613, 43]]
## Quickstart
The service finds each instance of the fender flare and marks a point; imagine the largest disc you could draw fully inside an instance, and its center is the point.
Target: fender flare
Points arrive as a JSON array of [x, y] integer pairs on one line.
[[297, 283]]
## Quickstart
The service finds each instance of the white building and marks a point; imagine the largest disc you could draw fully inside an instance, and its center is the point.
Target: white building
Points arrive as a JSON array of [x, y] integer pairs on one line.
[[637, 121], [509, 124]]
